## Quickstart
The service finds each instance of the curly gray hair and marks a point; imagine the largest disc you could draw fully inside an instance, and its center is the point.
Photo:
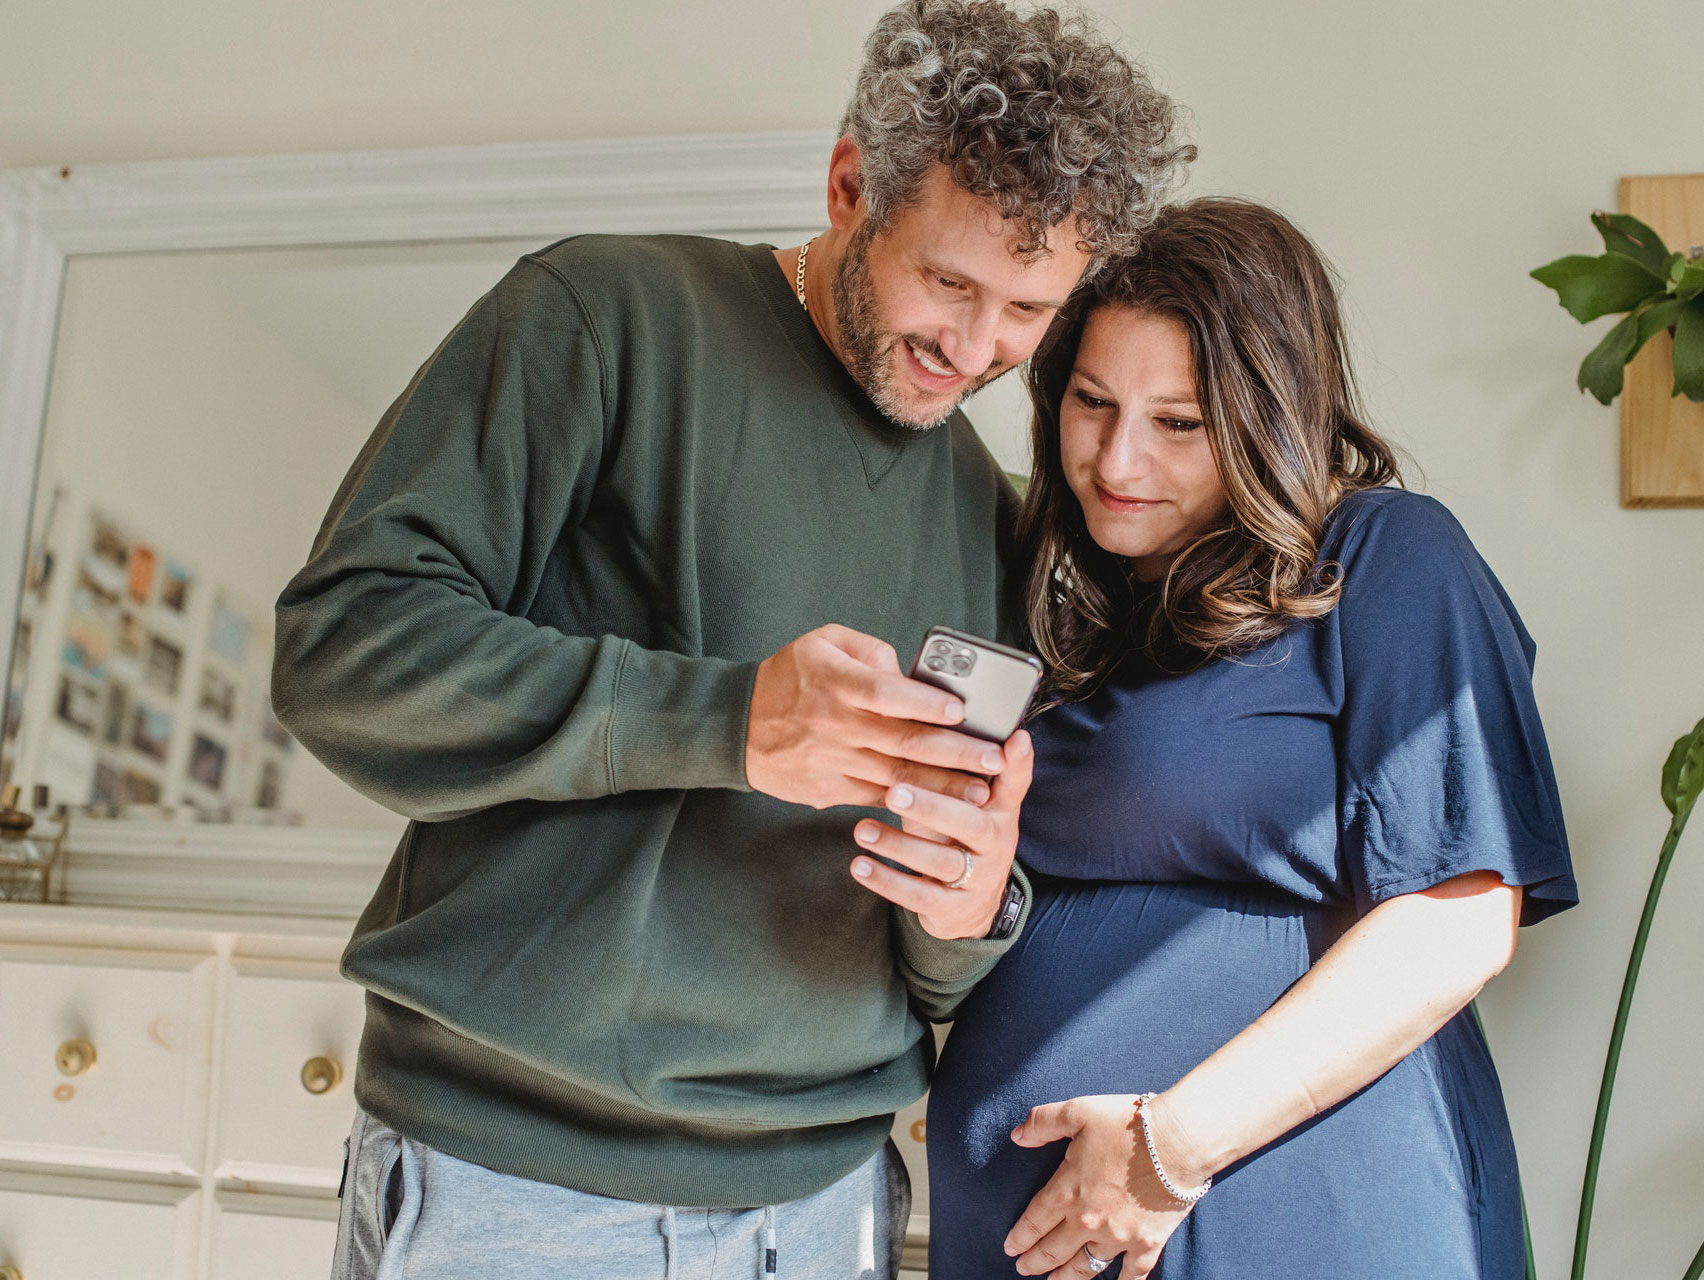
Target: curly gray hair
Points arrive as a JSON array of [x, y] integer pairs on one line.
[[1037, 114]]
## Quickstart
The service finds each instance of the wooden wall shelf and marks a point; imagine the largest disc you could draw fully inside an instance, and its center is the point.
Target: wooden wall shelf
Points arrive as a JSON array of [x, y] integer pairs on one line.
[[1662, 435]]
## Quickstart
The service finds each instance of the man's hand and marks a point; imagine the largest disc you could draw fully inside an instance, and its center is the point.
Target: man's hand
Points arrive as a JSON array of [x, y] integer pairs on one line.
[[834, 721], [959, 855]]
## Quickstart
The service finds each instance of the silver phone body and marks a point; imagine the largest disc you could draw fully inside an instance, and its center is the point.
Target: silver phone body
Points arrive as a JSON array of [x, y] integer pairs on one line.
[[996, 682]]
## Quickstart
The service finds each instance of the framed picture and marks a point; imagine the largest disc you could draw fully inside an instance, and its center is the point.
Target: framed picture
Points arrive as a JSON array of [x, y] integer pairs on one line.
[[165, 661], [174, 588], [151, 732], [138, 788], [207, 762], [111, 547], [228, 636], [38, 575], [79, 704], [218, 695], [112, 719], [91, 627], [132, 636], [108, 786], [142, 565], [268, 794]]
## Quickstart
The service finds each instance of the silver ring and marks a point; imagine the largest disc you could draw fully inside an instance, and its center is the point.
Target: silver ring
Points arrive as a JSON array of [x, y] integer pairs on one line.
[[964, 877], [1096, 1265]]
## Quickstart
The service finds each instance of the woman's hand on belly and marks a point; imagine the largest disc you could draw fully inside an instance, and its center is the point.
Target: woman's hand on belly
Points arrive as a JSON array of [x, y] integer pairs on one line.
[[1105, 1194]]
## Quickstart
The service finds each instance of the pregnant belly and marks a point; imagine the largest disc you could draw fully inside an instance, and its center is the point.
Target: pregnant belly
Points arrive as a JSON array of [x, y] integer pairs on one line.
[[1113, 988]]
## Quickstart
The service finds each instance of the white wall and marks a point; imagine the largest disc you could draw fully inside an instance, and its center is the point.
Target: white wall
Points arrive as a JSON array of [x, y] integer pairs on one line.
[[1437, 152]]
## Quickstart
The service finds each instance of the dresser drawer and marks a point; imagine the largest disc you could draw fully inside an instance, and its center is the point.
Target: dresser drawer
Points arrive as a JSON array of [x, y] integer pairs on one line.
[[55, 1228], [104, 1057], [270, 1237], [282, 1120]]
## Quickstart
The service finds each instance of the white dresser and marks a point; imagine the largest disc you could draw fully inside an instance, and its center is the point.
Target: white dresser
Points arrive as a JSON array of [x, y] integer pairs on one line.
[[175, 1092]]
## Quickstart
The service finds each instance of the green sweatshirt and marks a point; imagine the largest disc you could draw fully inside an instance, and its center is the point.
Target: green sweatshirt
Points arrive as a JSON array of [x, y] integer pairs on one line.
[[531, 623]]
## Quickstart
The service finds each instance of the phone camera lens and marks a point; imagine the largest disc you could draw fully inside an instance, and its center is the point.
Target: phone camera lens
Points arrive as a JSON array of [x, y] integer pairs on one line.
[[961, 664], [934, 664]]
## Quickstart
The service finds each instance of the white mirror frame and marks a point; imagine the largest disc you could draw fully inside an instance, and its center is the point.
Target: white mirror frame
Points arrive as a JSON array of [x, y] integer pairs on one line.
[[729, 184]]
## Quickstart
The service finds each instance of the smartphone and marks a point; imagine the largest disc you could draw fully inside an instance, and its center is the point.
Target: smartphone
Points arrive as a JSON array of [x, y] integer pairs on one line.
[[995, 681]]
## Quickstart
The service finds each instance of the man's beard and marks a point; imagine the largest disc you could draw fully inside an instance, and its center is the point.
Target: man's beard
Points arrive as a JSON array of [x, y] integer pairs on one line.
[[868, 349]]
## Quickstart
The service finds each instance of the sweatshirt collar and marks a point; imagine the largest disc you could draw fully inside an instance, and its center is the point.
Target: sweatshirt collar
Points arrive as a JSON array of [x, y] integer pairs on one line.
[[878, 440]]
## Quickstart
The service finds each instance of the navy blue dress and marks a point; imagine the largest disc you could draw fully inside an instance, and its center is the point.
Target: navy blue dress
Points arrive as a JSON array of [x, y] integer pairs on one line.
[[1196, 842]]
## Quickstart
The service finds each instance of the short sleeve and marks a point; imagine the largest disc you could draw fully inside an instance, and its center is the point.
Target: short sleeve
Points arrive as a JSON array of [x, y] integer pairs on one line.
[[1443, 765]]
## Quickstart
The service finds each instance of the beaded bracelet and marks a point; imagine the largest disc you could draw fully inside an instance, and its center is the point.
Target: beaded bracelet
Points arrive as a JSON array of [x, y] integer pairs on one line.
[[1183, 1198]]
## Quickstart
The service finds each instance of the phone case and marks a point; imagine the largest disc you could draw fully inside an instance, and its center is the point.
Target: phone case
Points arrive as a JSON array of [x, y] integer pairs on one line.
[[995, 681]]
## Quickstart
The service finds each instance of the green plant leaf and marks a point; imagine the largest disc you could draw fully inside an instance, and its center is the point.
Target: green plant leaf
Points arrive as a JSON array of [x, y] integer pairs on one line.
[[1683, 774], [1687, 280], [1602, 372], [1653, 319], [1593, 287], [1689, 351], [1625, 235]]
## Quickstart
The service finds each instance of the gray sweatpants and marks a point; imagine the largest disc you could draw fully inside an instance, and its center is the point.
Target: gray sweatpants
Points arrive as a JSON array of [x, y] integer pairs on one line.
[[411, 1212]]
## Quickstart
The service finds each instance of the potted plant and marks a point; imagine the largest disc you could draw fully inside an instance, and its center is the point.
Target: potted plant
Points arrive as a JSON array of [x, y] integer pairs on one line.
[[1683, 779], [1650, 287]]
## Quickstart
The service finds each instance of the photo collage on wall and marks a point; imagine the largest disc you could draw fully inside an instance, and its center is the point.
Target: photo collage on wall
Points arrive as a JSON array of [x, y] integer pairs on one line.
[[38, 576], [160, 688]]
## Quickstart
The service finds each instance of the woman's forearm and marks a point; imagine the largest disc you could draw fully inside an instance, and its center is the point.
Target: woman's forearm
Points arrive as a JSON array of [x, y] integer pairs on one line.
[[1383, 989]]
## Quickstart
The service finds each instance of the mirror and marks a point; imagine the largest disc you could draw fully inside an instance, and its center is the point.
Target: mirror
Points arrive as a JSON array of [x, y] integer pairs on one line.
[[201, 411], [200, 407]]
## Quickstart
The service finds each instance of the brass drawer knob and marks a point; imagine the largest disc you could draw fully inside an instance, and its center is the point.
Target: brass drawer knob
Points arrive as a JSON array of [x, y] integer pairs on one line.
[[319, 1075], [73, 1058]]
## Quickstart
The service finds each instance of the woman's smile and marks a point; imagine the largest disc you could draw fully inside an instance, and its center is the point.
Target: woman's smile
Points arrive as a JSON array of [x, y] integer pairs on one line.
[[1114, 501]]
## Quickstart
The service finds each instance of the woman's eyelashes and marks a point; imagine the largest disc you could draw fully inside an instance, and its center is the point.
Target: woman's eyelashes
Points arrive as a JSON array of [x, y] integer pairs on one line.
[[1169, 423]]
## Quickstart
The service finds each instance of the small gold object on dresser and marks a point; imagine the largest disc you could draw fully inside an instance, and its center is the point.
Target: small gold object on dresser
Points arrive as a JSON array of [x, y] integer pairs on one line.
[[10, 1273], [27, 863], [319, 1075], [73, 1058]]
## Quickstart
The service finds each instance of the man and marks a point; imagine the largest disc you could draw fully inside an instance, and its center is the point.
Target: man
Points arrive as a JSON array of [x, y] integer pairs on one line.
[[609, 605]]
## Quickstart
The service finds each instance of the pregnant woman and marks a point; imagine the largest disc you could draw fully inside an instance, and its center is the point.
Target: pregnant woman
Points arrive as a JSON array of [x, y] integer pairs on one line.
[[1292, 801]]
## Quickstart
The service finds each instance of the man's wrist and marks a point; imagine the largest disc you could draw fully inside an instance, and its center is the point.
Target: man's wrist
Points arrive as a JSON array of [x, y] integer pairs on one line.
[[1006, 915]]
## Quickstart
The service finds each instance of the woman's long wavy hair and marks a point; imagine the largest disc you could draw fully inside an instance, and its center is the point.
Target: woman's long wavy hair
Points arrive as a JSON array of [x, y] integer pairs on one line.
[[1285, 424]]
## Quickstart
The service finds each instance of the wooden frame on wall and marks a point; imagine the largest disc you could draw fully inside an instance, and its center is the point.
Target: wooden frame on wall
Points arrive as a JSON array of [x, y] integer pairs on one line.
[[1662, 435]]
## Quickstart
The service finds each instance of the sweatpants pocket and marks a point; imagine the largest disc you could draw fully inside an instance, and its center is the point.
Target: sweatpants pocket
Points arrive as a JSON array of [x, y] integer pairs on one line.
[[369, 1211]]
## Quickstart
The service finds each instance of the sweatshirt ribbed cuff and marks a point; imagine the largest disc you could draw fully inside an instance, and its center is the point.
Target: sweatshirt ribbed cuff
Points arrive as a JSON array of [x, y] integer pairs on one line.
[[956, 964], [679, 722]]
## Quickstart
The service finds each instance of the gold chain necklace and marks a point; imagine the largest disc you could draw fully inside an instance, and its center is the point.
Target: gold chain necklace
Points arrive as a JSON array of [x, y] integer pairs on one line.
[[799, 277]]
